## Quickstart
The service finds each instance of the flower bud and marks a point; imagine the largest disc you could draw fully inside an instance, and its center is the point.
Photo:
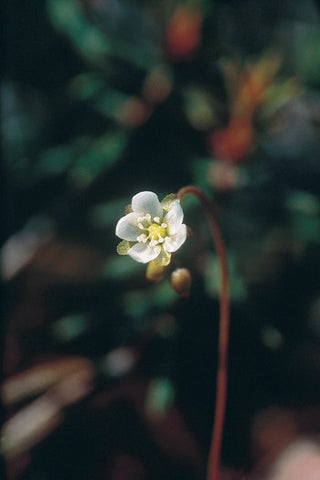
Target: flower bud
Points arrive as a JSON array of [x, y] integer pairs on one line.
[[155, 272], [181, 280]]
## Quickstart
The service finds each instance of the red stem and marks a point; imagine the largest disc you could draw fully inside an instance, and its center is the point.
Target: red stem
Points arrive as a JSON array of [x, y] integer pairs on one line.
[[222, 372]]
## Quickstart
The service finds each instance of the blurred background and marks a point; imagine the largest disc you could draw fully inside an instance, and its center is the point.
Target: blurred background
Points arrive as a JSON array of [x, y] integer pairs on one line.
[[106, 375]]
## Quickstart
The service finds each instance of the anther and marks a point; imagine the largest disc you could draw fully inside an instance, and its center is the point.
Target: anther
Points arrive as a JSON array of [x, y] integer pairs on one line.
[[142, 238]]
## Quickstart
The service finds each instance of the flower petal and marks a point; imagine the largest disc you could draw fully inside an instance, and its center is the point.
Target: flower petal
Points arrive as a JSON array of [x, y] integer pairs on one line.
[[147, 202], [127, 227], [175, 241], [143, 253], [174, 218]]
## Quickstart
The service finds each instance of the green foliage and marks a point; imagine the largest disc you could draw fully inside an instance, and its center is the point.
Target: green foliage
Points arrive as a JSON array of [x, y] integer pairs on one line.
[[122, 268], [94, 44], [160, 397], [56, 160], [307, 53], [68, 17], [304, 210], [238, 290], [70, 327], [138, 302], [98, 155]]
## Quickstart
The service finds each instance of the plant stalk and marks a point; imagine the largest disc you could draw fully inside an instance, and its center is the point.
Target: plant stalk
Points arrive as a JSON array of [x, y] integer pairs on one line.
[[214, 461]]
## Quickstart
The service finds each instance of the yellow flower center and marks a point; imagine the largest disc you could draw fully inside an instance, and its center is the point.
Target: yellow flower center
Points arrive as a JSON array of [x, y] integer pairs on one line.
[[157, 231]]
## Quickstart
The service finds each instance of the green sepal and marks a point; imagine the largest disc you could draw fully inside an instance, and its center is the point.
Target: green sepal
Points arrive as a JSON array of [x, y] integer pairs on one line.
[[124, 246], [163, 259], [168, 201]]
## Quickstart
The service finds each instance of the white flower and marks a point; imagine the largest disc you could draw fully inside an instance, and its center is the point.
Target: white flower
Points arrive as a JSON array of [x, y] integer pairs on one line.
[[153, 230]]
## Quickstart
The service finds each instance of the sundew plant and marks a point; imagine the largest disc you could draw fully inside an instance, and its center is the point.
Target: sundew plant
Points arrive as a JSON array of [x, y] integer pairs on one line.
[[155, 230], [151, 330]]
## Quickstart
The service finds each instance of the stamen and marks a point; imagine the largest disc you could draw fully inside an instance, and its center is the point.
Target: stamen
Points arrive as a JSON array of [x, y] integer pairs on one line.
[[142, 238], [164, 225], [156, 219], [148, 217], [141, 226]]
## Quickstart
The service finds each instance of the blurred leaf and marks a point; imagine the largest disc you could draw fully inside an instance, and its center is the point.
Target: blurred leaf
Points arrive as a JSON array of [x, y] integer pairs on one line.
[[55, 161], [305, 215], [106, 214], [101, 154], [67, 16], [36, 421], [160, 397], [238, 290], [199, 109], [120, 361], [278, 94], [30, 425], [200, 171], [121, 268], [138, 303], [109, 102], [306, 228], [86, 86], [272, 337], [303, 202], [19, 250], [84, 158], [94, 89], [96, 43], [307, 52], [40, 377], [23, 116], [66, 260], [70, 327]]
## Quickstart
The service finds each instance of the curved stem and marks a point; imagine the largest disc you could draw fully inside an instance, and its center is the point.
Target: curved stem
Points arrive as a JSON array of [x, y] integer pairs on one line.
[[222, 371]]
